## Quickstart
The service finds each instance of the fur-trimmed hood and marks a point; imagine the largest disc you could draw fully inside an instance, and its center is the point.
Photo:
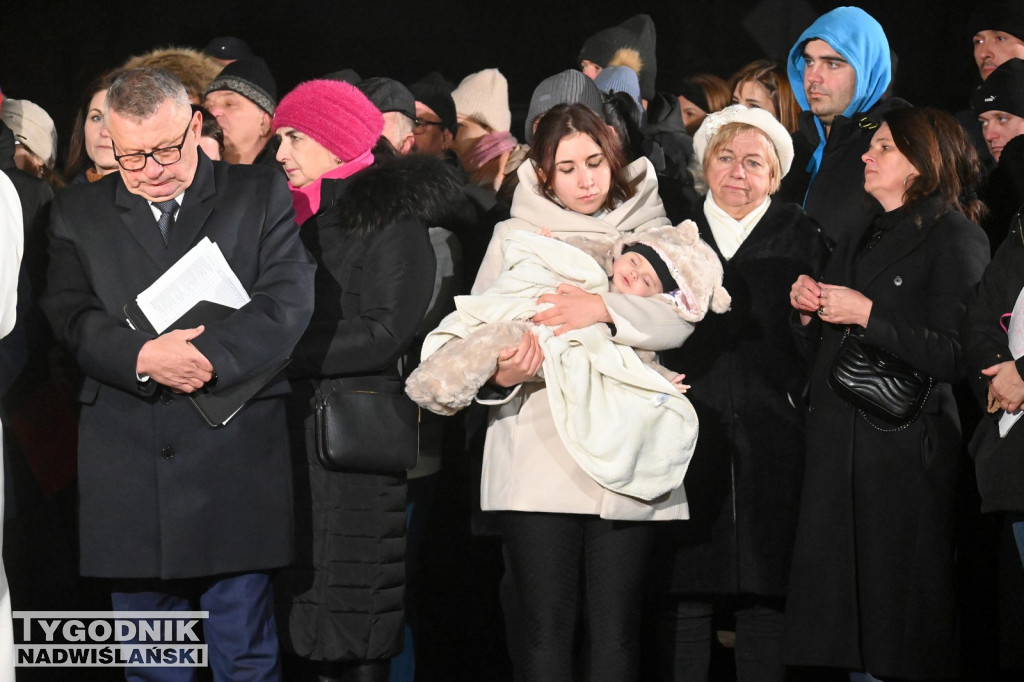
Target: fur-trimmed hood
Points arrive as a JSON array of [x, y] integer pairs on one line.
[[417, 187], [193, 68]]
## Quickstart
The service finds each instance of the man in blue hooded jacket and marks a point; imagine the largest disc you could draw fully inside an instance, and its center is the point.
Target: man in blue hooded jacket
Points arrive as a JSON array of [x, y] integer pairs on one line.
[[839, 69]]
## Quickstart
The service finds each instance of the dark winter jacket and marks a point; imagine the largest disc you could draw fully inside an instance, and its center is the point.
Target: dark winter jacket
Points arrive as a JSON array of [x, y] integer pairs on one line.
[[999, 461], [1003, 192], [670, 149], [746, 375], [36, 197], [836, 198], [342, 599], [873, 580]]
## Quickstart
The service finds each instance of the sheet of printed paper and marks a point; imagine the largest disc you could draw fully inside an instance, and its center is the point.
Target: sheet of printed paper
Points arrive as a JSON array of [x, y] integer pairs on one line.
[[202, 274]]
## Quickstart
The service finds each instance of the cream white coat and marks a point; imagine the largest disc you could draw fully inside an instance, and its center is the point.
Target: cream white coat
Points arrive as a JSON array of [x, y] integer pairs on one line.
[[12, 241], [526, 466]]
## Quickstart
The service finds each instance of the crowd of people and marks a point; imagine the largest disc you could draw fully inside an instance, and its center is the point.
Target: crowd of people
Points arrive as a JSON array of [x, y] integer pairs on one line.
[[719, 356]]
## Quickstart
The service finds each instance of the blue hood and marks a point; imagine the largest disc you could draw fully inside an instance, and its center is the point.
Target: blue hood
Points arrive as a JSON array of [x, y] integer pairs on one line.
[[855, 35]]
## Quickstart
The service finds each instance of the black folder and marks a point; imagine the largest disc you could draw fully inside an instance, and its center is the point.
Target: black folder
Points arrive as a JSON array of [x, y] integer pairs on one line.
[[214, 406]]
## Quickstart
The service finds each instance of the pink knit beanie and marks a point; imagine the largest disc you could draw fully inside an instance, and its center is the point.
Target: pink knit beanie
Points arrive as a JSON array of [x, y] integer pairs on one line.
[[335, 114]]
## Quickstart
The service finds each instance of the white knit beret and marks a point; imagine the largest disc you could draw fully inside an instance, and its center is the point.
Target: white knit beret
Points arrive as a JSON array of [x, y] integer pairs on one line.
[[759, 118]]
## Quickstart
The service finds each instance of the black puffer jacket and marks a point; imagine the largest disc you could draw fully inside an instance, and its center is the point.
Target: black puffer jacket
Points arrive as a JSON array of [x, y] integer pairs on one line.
[[342, 598]]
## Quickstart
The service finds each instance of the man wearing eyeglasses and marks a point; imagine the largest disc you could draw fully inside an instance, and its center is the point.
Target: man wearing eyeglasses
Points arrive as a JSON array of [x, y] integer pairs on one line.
[[179, 515]]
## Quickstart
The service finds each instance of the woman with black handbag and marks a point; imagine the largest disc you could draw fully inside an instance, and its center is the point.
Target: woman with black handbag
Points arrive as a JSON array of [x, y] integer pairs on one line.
[[364, 216], [872, 584]]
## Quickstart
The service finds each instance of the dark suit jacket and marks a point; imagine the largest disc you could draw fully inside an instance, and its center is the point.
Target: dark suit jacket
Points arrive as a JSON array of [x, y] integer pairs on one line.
[[162, 494]]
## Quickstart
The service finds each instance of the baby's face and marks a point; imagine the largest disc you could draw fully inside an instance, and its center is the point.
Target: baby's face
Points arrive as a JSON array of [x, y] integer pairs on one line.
[[633, 274]]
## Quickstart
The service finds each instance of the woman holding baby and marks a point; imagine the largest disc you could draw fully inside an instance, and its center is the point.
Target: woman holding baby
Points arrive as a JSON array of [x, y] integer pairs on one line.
[[566, 536]]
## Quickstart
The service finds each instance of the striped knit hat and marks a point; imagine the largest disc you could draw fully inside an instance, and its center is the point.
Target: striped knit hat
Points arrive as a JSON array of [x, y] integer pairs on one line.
[[251, 79]]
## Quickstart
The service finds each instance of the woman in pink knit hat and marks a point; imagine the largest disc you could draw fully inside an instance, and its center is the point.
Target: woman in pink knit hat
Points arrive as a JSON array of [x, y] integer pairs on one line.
[[364, 218]]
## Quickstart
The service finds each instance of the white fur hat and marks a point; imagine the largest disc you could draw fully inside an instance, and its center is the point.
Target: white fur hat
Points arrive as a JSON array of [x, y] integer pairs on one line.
[[759, 118]]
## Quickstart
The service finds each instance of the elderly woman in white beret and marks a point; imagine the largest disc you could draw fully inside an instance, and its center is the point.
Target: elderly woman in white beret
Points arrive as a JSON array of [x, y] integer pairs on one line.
[[746, 373]]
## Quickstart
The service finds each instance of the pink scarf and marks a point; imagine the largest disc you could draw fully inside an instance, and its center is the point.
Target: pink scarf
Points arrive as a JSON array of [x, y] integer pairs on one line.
[[306, 200], [488, 147]]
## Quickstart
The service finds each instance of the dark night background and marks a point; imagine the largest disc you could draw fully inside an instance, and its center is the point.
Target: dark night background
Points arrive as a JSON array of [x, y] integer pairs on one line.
[[50, 48]]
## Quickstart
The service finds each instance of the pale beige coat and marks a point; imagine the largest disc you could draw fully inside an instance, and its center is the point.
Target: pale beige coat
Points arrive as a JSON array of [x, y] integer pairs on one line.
[[526, 466]]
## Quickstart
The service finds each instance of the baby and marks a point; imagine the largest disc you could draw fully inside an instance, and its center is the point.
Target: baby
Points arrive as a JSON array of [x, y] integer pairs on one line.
[[671, 262]]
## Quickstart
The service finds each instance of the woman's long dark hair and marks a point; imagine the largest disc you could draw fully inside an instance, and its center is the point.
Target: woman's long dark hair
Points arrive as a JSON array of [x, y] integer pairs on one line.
[[78, 159], [945, 159], [564, 120]]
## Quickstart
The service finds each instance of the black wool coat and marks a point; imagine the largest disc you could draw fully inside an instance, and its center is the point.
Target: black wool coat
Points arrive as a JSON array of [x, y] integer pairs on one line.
[[163, 495], [746, 375], [342, 599], [873, 579]]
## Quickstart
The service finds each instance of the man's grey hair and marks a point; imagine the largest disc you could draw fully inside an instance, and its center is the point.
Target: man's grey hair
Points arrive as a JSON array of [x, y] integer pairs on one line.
[[402, 126], [138, 93]]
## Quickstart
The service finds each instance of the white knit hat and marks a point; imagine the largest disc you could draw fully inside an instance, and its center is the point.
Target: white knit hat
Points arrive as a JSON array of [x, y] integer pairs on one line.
[[32, 127], [759, 118], [483, 96]]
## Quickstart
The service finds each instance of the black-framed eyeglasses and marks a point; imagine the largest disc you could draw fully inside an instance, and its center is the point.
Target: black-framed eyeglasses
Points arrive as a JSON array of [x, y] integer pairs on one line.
[[165, 156], [420, 126]]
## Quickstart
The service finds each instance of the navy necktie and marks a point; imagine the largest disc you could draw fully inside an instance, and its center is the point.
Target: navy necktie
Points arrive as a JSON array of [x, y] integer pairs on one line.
[[166, 219]]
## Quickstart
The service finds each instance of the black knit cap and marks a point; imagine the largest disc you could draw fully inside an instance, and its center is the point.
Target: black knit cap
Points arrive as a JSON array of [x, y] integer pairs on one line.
[[387, 94], [436, 92], [1006, 16], [228, 47], [1003, 90], [350, 76], [694, 93], [251, 79], [668, 282]]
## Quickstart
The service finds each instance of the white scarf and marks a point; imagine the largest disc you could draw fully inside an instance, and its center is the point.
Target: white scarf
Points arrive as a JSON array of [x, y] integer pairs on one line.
[[730, 233]]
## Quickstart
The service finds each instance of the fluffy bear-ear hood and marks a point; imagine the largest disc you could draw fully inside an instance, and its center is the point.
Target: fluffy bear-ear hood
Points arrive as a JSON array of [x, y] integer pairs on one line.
[[417, 187], [694, 266]]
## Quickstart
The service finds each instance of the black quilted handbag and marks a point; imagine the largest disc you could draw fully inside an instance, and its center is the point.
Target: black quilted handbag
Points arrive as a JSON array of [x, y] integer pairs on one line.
[[365, 424], [878, 384]]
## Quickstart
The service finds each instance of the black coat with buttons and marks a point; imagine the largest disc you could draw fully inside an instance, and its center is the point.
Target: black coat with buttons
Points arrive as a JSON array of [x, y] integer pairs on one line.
[[872, 584], [163, 495]]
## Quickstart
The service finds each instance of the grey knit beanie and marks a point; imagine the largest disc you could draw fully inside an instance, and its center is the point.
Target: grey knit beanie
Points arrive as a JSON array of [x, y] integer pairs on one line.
[[568, 87]]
